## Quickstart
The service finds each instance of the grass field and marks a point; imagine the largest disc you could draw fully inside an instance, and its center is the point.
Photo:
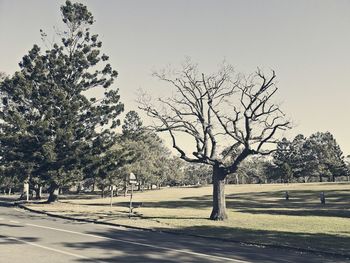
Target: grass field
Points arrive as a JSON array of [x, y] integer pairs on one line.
[[257, 213]]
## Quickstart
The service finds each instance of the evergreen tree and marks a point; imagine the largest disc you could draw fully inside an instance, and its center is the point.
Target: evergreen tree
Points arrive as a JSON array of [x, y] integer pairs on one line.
[[150, 156], [196, 174], [317, 156], [132, 127], [328, 156], [283, 159], [48, 123]]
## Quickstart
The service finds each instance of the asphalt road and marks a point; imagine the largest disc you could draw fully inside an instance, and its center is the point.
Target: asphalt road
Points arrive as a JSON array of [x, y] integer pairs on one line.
[[28, 237]]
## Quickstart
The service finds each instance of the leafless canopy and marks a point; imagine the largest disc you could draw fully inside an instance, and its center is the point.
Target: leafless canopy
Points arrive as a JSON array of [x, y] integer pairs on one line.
[[219, 111]]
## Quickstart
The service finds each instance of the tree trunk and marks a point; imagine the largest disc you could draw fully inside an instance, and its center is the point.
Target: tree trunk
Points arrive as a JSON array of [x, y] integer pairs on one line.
[[93, 187], [219, 203], [25, 193], [78, 188], [10, 190], [53, 193], [320, 178], [38, 191], [125, 187], [103, 192]]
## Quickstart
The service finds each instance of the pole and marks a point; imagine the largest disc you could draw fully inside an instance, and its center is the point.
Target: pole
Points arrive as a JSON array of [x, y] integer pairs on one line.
[[26, 189], [130, 207], [112, 196], [27, 192]]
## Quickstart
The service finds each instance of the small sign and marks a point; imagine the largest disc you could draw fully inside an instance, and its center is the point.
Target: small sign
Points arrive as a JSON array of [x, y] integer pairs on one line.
[[132, 179]]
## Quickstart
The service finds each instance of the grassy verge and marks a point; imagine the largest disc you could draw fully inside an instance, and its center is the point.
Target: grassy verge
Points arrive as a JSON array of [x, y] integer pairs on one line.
[[257, 213]]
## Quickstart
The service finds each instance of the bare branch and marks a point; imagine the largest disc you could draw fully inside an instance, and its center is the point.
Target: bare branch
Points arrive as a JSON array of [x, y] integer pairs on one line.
[[220, 110]]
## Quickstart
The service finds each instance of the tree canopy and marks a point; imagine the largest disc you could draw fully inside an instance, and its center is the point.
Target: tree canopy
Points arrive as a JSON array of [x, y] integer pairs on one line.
[[48, 122], [316, 156]]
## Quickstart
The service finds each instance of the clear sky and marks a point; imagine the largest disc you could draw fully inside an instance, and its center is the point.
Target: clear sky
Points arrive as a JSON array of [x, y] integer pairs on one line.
[[307, 43]]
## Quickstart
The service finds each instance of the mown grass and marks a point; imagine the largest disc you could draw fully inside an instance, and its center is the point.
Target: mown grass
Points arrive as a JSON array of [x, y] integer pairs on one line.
[[257, 213]]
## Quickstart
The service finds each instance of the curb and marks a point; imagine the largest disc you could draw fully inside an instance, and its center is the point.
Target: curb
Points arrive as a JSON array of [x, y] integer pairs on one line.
[[291, 248]]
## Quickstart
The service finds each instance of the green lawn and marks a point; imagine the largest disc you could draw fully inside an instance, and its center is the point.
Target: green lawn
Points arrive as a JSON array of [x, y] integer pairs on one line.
[[257, 213]]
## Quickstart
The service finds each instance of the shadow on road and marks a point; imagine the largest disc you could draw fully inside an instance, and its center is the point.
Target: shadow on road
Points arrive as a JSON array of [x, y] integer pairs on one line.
[[123, 251], [8, 225], [7, 200], [325, 242], [5, 240]]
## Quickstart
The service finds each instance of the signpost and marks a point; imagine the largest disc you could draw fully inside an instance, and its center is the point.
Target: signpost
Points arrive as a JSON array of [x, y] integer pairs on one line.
[[132, 181], [26, 190], [112, 188]]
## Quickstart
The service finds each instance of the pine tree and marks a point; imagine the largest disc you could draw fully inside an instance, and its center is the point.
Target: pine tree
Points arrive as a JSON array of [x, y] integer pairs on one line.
[[49, 124], [283, 159], [150, 156], [328, 155], [132, 127]]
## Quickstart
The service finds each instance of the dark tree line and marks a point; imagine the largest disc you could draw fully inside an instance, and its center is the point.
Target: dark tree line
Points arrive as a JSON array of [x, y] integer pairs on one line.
[[301, 159]]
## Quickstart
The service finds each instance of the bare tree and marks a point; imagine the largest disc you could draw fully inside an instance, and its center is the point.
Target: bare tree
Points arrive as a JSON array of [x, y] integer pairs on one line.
[[228, 116]]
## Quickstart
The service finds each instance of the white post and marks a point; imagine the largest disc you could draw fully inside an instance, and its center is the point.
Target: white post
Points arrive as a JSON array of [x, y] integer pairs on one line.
[[112, 195], [130, 207], [26, 189], [132, 181]]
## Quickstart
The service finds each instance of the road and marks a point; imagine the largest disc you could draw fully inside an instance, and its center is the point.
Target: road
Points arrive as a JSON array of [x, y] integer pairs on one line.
[[29, 237]]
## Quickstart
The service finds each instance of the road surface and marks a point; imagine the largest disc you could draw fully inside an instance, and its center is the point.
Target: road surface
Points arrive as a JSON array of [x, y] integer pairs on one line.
[[29, 237]]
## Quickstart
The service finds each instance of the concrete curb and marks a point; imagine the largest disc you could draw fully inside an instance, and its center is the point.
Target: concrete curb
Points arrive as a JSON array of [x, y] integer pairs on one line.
[[291, 248]]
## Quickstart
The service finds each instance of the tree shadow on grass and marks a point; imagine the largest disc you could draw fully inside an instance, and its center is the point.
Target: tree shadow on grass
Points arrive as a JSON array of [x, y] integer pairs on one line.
[[315, 241], [124, 204], [80, 196], [300, 203], [175, 217], [193, 203]]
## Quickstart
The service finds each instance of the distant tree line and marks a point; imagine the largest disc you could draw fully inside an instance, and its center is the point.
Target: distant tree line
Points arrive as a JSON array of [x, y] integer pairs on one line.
[[312, 159], [317, 157]]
